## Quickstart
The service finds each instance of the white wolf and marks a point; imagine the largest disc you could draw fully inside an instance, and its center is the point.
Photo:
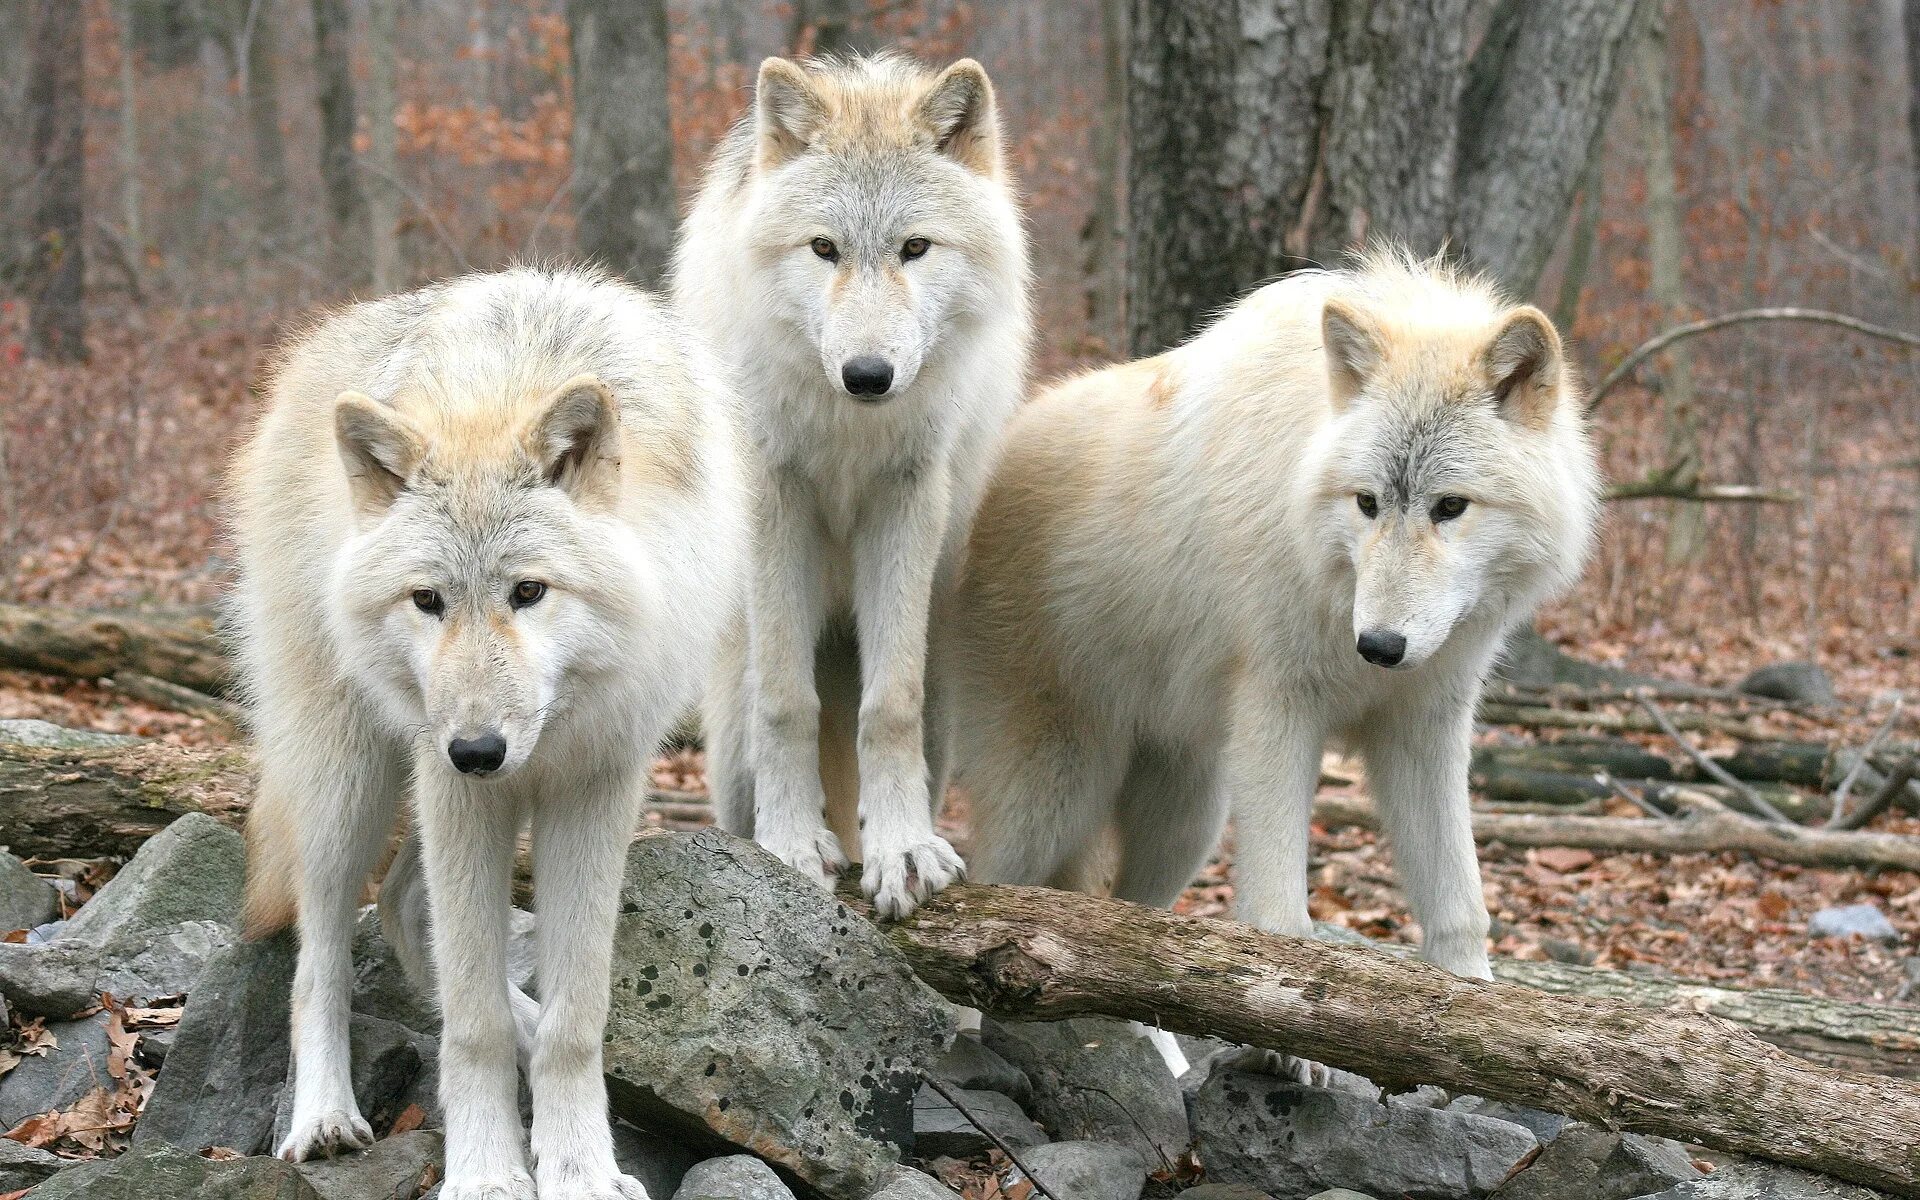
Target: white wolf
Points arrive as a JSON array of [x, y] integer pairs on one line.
[[856, 254], [485, 530], [1314, 520]]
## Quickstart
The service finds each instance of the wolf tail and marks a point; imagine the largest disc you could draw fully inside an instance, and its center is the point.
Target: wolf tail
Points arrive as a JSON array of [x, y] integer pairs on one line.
[[271, 900]]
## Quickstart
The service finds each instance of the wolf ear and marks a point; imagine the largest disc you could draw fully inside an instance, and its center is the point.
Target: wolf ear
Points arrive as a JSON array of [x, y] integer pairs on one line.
[[1523, 367], [380, 448], [788, 111], [1354, 351], [959, 112], [575, 441]]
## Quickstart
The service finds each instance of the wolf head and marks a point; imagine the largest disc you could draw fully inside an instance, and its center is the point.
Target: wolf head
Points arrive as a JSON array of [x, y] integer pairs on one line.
[[1456, 478], [882, 218], [476, 584]]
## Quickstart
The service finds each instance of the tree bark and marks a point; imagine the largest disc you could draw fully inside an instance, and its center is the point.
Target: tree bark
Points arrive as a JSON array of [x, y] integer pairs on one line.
[[179, 647], [832, 27], [1035, 954], [339, 168], [256, 44], [623, 196], [56, 102], [383, 194], [1104, 236], [86, 802]]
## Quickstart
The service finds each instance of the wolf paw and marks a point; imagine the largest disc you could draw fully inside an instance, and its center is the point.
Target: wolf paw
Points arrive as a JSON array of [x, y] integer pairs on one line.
[[516, 1185], [326, 1135], [1282, 1066], [609, 1187], [814, 853], [899, 878]]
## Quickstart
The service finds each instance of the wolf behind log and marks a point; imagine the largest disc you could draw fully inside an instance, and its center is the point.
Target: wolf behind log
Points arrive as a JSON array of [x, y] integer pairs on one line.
[[1315, 521], [487, 532], [856, 253]]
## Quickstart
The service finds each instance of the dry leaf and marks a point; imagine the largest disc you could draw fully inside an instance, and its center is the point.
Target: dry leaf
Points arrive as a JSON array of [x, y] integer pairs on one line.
[[409, 1120]]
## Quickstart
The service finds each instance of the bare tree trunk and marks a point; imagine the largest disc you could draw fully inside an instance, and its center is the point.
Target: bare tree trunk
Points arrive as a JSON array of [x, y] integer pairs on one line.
[[1666, 247], [1104, 237], [56, 100], [1911, 24], [832, 27], [339, 172], [383, 195], [1586, 230], [129, 136], [256, 51], [622, 136]]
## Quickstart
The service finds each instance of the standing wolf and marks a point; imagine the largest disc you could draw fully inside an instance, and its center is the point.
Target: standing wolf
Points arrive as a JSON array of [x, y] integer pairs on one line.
[[484, 533], [856, 253], [1315, 520]]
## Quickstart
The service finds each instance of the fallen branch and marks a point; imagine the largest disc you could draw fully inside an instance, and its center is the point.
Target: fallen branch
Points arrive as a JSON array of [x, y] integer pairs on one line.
[[1680, 333], [1657, 488], [1703, 830], [178, 647], [1035, 954], [225, 715], [1890, 789], [1714, 770], [1535, 717], [933, 1081], [1862, 763]]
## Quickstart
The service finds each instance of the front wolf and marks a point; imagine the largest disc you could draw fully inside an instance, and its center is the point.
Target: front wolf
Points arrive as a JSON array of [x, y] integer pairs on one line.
[[484, 531], [857, 255], [1316, 520]]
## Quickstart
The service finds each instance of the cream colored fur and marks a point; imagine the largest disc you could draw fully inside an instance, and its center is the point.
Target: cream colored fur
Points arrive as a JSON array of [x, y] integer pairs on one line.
[[420, 458], [799, 261], [1167, 582]]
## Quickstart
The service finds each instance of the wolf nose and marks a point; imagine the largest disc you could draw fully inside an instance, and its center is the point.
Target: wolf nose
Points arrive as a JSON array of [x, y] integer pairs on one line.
[[1382, 647], [867, 376], [478, 755]]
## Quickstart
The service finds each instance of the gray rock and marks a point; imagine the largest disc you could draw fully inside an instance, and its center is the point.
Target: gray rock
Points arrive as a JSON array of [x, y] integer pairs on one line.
[[189, 871], [1798, 682], [1864, 920], [167, 963], [942, 1131], [26, 900], [1761, 1181], [154, 1044], [157, 1170], [905, 1183], [1240, 1191], [45, 735], [387, 1058], [751, 1006], [1085, 1170], [23, 1166], [228, 1062], [1545, 1125], [735, 1177], [381, 987], [969, 1064], [1337, 1194], [390, 1167], [1098, 1080], [1295, 1141], [44, 1082], [54, 979], [1595, 1164], [659, 1163]]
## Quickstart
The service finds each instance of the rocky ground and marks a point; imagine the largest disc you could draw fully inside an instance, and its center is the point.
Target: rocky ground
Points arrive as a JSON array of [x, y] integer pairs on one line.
[[765, 1043]]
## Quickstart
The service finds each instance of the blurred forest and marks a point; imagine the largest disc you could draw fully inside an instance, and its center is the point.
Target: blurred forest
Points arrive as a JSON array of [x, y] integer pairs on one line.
[[197, 174]]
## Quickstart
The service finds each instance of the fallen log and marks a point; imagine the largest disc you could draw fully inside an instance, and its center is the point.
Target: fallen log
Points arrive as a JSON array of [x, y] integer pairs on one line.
[[1700, 831], [1539, 717], [78, 799], [178, 646], [1548, 790], [1036, 954], [224, 715]]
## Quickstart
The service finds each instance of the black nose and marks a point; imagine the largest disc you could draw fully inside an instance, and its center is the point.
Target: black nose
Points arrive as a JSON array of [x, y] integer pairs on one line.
[[479, 755], [1382, 648], [867, 376]]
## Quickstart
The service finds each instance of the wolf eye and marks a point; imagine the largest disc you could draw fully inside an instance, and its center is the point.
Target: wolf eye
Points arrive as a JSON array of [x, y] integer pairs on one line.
[[826, 249], [528, 591], [1449, 507], [1369, 507], [428, 601], [914, 248]]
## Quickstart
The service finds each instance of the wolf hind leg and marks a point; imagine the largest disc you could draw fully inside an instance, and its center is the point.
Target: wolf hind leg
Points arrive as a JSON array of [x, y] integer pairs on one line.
[[728, 719], [340, 785], [403, 922]]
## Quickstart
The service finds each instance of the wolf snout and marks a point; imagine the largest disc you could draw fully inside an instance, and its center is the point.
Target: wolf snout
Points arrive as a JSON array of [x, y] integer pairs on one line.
[[1382, 647], [867, 376], [482, 755]]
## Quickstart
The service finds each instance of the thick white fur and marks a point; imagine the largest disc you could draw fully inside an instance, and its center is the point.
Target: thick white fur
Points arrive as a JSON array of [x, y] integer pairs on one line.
[[863, 506], [558, 427], [1169, 572]]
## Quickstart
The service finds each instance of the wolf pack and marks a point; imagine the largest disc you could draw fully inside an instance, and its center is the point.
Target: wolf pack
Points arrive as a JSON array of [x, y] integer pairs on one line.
[[498, 535]]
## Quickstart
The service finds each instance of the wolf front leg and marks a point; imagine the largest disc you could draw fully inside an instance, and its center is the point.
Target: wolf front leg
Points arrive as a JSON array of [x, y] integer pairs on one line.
[[467, 833], [333, 788], [785, 616], [579, 847], [1417, 760], [895, 556]]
